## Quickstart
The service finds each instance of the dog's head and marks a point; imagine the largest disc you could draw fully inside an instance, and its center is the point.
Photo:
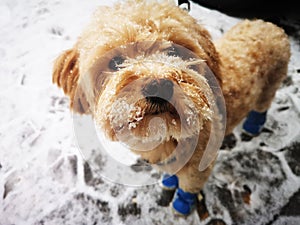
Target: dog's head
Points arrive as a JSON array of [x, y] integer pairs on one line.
[[149, 94], [141, 85]]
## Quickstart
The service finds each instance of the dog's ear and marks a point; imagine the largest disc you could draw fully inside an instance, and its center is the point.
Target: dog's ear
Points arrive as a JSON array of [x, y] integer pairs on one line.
[[66, 75], [65, 71]]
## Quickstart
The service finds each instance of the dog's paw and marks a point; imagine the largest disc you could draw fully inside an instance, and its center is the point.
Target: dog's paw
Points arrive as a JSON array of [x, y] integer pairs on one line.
[[254, 123]]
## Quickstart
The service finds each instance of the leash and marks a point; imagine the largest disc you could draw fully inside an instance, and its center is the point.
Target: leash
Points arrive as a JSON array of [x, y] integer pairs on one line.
[[184, 4]]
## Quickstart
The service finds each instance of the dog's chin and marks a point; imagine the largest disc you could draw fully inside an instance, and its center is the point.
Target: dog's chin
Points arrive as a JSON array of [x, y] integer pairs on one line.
[[153, 137], [155, 128], [143, 125]]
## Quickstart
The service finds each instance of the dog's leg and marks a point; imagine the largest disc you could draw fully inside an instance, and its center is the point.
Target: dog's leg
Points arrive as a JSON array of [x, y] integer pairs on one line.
[[191, 182], [275, 78], [254, 58], [255, 120]]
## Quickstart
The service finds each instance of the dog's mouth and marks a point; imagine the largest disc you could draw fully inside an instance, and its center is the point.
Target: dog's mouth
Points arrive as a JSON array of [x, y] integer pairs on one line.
[[158, 106]]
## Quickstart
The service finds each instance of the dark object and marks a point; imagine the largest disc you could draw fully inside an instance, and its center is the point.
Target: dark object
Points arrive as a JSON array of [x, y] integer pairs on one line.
[[181, 2], [115, 63], [266, 9], [131, 209], [88, 174], [229, 142], [202, 209], [165, 197], [141, 165], [158, 91], [292, 155], [246, 137], [216, 222], [293, 206], [172, 51]]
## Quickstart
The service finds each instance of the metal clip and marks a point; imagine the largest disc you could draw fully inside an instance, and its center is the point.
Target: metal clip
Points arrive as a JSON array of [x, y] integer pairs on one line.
[[185, 5]]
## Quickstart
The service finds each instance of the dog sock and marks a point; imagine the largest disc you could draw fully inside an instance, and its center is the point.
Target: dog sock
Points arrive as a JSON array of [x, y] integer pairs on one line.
[[184, 202], [254, 123], [169, 182]]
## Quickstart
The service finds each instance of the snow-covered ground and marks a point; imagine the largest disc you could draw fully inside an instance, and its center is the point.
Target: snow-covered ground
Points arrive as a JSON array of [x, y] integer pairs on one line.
[[43, 178]]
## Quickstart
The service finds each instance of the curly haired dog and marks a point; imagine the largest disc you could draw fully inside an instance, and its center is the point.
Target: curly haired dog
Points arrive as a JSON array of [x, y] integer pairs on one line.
[[249, 62]]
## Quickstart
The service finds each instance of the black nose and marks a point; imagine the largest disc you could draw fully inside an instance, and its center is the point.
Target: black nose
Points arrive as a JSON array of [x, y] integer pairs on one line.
[[158, 90]]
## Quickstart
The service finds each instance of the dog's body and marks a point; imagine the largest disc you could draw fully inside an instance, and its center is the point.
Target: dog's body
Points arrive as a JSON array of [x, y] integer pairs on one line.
[[249, 62]]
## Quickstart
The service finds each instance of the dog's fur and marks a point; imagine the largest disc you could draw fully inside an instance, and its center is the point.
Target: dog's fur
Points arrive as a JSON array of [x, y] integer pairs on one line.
[[249, 61]]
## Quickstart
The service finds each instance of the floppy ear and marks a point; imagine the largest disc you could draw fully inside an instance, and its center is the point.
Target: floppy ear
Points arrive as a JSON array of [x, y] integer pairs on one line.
[[66, 75]]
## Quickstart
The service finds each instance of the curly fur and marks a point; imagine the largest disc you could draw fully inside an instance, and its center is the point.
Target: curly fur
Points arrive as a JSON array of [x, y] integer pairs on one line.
[[249, 61]]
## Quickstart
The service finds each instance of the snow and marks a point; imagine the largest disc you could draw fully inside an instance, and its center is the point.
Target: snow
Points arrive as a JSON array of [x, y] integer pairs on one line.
[[43, 177]]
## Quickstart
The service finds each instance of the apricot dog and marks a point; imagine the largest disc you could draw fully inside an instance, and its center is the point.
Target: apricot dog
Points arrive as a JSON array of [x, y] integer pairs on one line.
[[126, 69]]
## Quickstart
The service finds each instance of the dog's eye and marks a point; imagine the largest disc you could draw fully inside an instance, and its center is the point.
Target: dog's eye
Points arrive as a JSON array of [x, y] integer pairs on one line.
[[194, 67], [115, 62], [172, 51]]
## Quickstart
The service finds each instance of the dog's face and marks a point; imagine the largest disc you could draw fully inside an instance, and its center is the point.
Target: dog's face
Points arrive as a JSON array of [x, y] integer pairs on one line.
[[143, 88], [149, 94]]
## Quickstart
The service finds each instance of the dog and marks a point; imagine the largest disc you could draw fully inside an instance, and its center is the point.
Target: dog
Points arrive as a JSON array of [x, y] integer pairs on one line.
[[129, 67]]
